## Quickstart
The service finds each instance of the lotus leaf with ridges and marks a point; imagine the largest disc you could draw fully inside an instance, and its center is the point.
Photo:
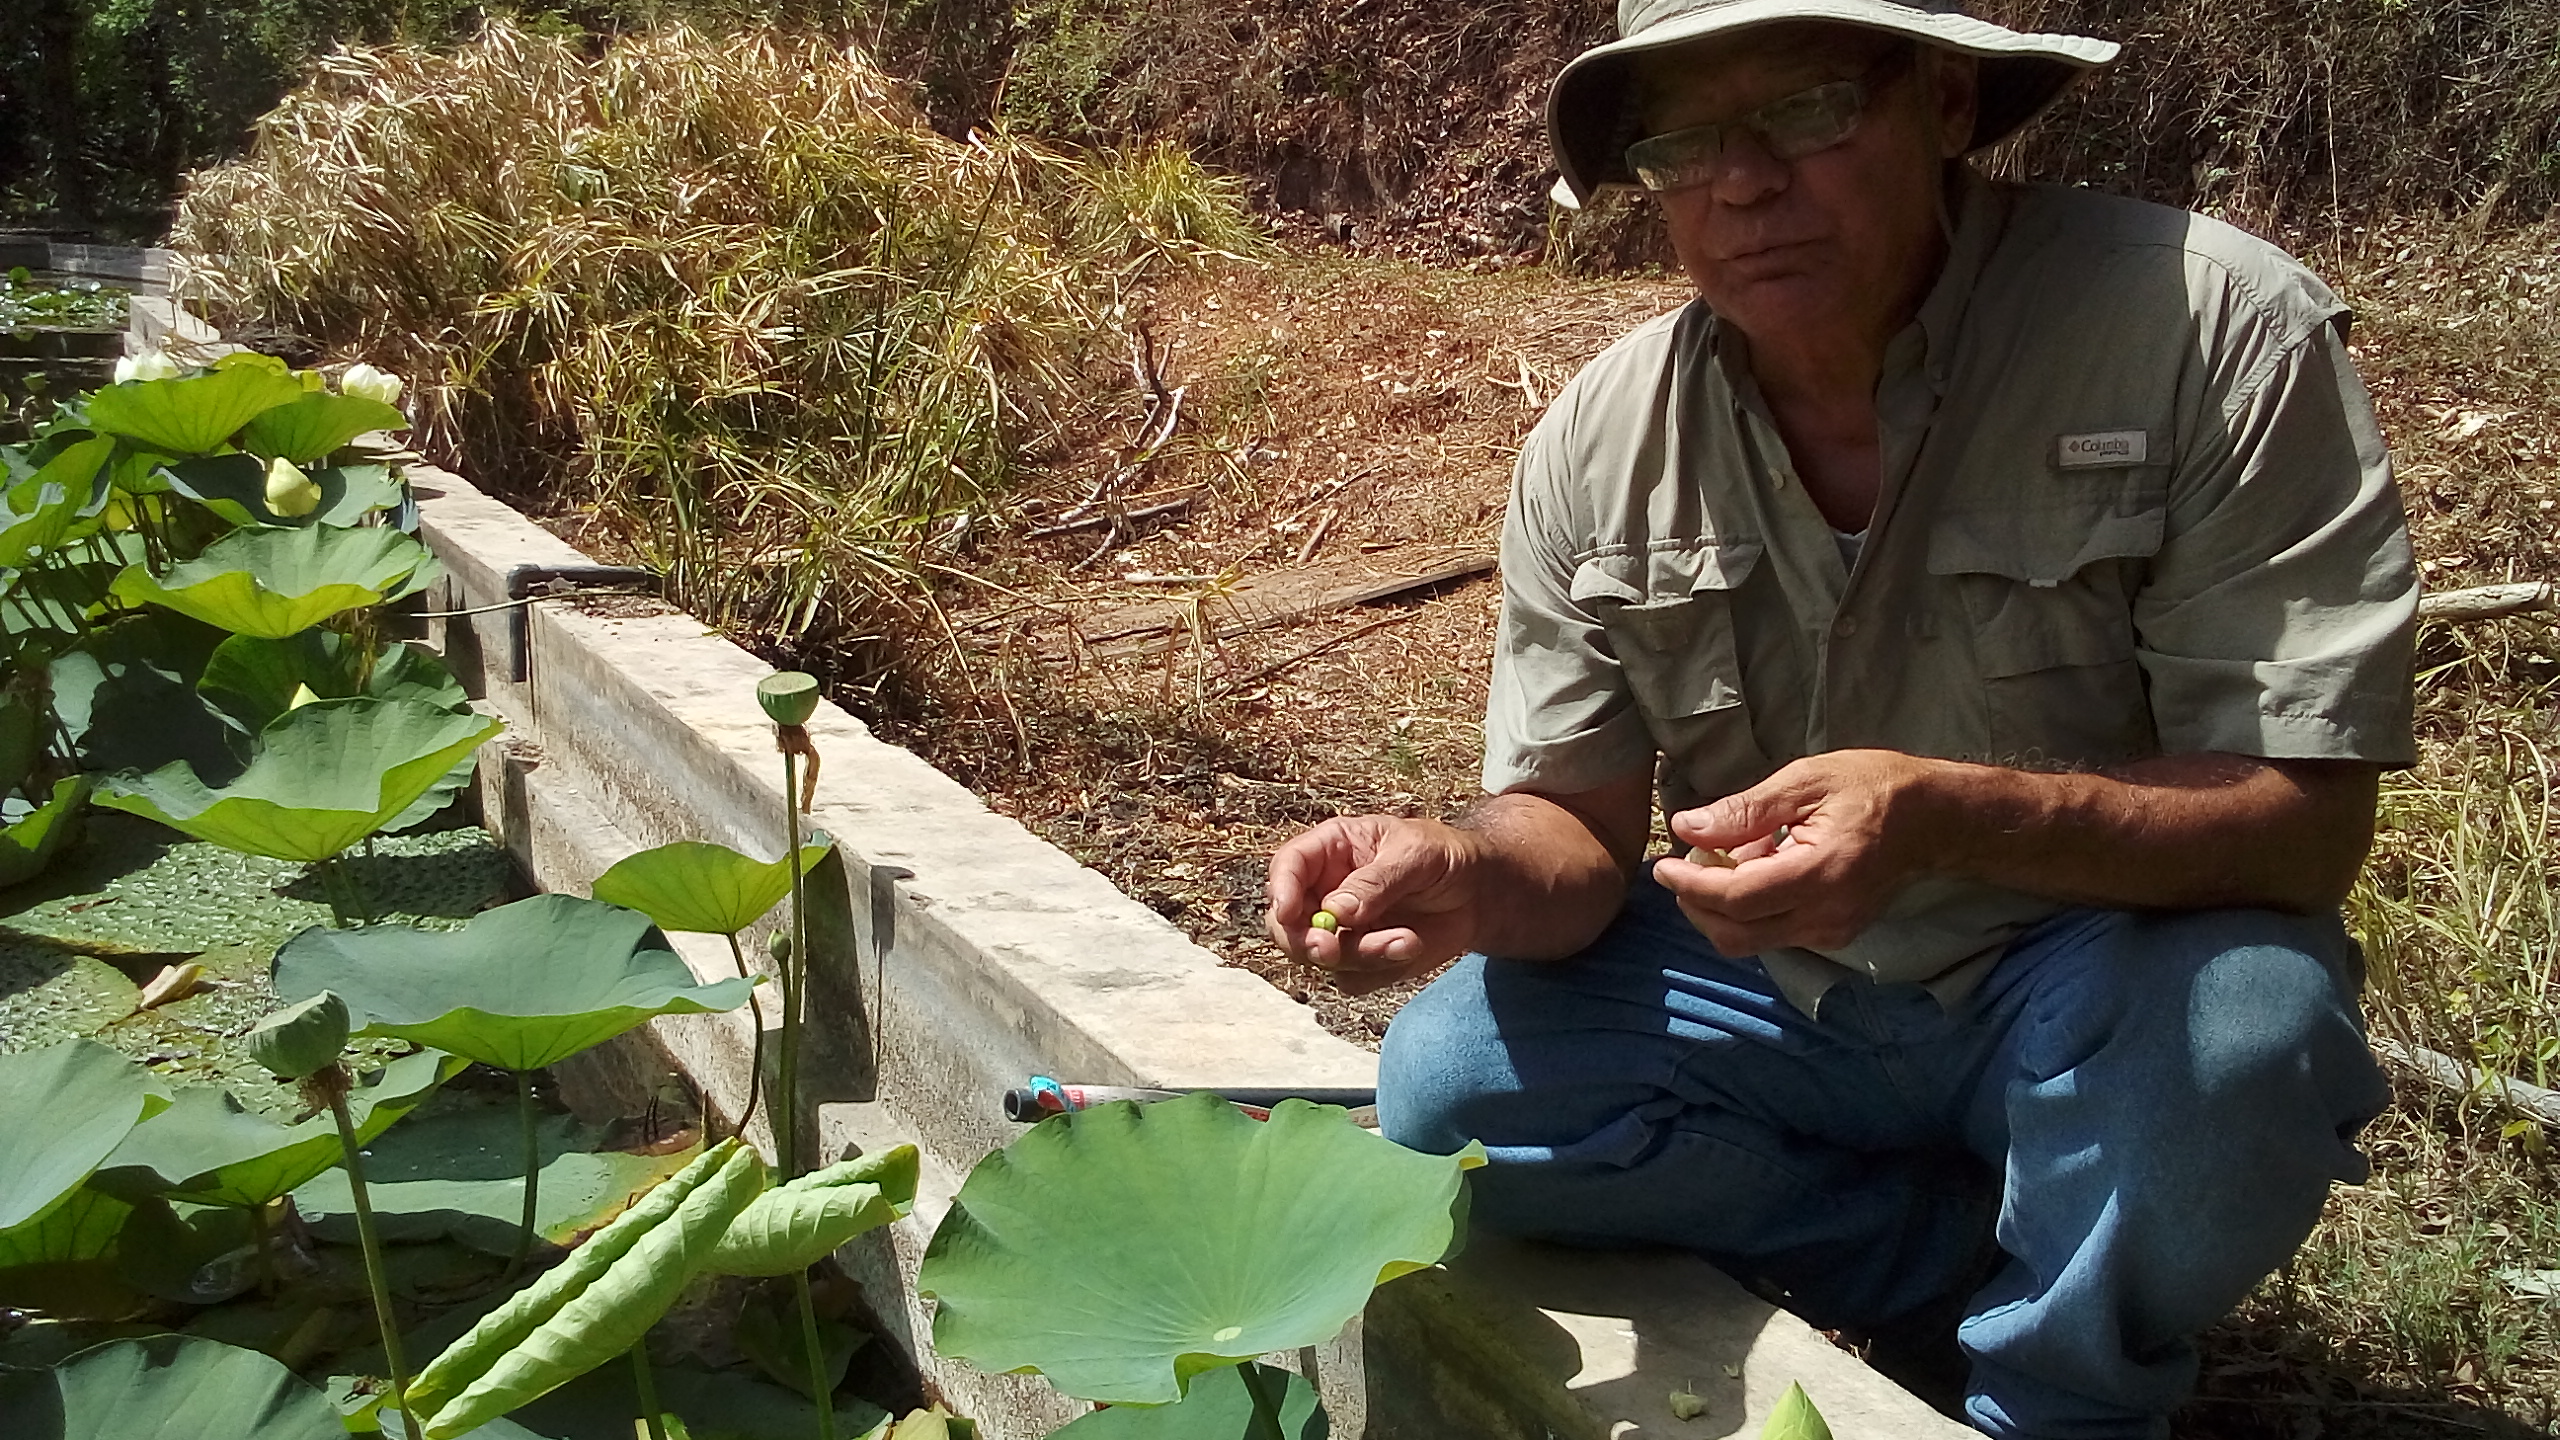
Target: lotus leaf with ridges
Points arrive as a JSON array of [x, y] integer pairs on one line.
[[28, 846], [40, 512], [1218, 1408], [165, 1387], [207, 1150], [282, 582], [324, 777], [1122, 1250], [69, 1107], [715, 1216], [252, 680], [519, 987], [316, 424], [190, 415], [696, 886]]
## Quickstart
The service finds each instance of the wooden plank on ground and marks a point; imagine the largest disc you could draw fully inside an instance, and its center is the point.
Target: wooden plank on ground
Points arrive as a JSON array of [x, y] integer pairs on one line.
[[1277, 597]]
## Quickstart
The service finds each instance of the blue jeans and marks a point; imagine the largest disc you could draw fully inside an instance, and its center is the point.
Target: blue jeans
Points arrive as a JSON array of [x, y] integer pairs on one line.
[[2145, 1109]]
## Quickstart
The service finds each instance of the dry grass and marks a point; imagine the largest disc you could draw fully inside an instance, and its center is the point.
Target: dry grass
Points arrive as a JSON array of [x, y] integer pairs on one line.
[[727, 298]]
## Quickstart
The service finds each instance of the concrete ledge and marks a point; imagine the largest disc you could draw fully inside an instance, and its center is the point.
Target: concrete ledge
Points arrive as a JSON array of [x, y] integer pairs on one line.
[[954, 953]]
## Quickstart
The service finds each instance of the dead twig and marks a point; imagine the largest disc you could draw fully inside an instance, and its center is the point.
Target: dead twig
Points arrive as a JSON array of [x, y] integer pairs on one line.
[[1254, 677], [2446, 1073], [2489, 602], [1173, 506], [1316, 536]]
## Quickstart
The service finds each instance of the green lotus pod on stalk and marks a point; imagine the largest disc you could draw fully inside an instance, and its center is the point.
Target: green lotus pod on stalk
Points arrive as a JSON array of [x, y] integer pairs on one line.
[[277, 583], [1121, 1251], [299, 1039], [789, 697], [713, 1217]]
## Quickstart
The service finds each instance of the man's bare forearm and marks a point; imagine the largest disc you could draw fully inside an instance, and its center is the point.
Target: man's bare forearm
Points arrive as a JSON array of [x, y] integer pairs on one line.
[[1551, 873], [2177, 832]]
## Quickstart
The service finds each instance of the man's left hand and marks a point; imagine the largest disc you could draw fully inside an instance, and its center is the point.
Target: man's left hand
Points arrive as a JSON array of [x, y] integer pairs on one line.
[[1854, 825]]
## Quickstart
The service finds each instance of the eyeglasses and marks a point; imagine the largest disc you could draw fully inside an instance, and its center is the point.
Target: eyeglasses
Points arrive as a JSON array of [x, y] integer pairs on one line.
[[1789, 128]]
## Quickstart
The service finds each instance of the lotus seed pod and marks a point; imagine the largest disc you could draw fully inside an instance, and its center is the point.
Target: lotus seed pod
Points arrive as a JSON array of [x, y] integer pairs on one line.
[[778, 945], [790, 697], [290, 493], [302, 1040]]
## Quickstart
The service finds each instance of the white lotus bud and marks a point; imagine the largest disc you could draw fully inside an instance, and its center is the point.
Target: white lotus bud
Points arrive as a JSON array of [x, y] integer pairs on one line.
[[149, 365], [370, 384], [290, 493]]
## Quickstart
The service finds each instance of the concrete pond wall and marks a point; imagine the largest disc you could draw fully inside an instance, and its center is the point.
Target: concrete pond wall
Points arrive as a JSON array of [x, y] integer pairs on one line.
[[954, 954]]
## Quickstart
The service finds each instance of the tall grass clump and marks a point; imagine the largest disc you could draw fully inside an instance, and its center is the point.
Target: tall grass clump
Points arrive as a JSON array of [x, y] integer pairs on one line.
[[728, 297]]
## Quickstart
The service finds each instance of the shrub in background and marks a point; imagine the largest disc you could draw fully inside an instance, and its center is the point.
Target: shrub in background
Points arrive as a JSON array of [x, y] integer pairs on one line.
[[728, 295]]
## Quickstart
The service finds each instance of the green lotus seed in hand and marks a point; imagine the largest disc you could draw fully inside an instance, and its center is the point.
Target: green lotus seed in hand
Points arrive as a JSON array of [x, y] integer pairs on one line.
[[790, 697], [1323, 920]]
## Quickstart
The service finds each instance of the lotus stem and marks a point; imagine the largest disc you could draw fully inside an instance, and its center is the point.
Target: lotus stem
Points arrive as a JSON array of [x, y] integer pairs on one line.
[[532, 1172], [795, 970], [333, 1081], [819, 1390], [1264, 1424], [261, 1240], [646, 1381], [755, 1073]]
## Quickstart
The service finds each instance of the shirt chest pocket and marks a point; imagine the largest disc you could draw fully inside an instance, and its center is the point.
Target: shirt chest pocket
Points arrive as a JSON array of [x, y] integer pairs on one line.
[[1668, 611], [2045, 596]]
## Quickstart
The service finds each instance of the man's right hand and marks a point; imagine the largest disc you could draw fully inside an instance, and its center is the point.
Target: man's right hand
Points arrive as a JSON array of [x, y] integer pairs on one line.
[[1402, 893]]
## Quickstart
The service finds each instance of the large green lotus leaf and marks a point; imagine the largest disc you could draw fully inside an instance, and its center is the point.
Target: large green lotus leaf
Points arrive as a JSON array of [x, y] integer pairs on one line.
[[234, 486], [794, 1226], [69, 1107], [63, 1262], [315, 424], [208, 1150], [520, 987], [1794, 1418], [592, 1306], [27, 847], [37, 513], [1218, 1408], [190, 415], [281, 582], [252, 680], [127, 694], [697, 886], [325, 776], [1124, 1249], [165, 1387]]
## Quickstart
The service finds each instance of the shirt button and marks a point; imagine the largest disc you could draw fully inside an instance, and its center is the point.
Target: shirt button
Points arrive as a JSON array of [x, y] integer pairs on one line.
[[1845, 626]]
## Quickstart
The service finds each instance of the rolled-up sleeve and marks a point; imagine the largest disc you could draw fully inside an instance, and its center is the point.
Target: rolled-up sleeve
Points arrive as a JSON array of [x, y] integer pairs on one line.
[[2278, 618], [1559, 720]]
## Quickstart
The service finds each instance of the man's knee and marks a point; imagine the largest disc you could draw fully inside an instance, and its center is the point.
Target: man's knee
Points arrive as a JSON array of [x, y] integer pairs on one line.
[[1443, 1054]]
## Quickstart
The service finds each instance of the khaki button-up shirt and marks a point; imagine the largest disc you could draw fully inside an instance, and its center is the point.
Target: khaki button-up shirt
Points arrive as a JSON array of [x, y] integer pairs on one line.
[[2134, 503]]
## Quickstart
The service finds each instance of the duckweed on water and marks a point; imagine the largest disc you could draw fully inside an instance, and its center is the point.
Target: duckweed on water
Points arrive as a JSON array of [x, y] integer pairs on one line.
[[133, 897]]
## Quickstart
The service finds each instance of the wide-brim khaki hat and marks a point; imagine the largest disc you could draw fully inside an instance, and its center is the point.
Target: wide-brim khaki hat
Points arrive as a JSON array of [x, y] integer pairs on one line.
[[1591, 122]]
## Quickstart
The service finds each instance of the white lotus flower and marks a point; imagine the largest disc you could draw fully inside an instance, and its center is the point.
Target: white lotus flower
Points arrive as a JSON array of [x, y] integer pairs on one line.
[[290, 493], [371, 384], [149, 365]]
